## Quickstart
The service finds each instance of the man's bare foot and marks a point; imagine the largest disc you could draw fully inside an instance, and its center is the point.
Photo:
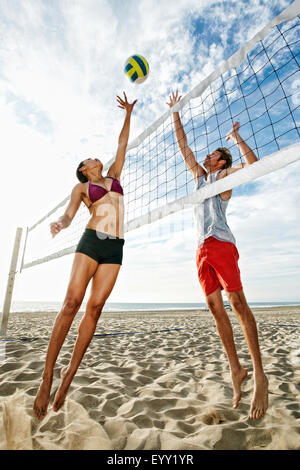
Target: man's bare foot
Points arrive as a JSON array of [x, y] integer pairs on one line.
[[237, 380], [41, 401], [62, 391], [259, 404]]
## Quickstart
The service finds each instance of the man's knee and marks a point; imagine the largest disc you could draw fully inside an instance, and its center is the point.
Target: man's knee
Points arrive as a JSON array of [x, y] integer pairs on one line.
[[215, 307], [238, 303]]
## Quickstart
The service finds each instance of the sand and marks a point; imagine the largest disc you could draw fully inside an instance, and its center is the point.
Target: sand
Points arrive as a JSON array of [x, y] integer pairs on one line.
[[155, 389]]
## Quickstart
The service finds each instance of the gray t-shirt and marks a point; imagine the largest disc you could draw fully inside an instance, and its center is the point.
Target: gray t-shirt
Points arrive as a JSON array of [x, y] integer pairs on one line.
[[210, 215]]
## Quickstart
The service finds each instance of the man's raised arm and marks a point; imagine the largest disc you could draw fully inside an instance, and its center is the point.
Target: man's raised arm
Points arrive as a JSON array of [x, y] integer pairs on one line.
[[244, 148], [186, 152]]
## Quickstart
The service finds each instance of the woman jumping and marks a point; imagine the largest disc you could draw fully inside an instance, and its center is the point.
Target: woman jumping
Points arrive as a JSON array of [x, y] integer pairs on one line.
[[98, 257]]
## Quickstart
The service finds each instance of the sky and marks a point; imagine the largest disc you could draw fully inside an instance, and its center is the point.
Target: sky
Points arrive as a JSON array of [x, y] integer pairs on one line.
[[61, 67]]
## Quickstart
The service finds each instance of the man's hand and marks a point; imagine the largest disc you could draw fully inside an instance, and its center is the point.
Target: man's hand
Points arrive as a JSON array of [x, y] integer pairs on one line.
[[233, 133], [124, 103], [174, 99], [55, 228], [244, 148]]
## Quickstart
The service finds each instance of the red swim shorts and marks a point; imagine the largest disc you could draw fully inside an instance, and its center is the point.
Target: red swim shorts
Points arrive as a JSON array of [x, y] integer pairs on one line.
[[217, 265]]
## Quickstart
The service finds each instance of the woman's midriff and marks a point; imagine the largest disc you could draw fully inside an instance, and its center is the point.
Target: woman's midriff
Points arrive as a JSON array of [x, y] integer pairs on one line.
[[107, 215]]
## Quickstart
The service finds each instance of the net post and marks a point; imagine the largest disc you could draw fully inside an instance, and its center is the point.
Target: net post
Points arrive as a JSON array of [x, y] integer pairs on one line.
[[10, 283], [24, 249]]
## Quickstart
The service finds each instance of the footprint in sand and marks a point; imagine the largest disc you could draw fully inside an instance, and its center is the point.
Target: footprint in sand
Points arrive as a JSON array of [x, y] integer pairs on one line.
[[219, 417]]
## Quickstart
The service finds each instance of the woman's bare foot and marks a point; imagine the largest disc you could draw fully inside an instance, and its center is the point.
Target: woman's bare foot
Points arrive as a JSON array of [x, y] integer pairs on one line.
[[41, 401], [62, 391], [259, 403], [237, 380]]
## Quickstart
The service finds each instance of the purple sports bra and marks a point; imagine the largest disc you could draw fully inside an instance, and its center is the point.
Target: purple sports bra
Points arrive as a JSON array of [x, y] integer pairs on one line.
[[96, 192]]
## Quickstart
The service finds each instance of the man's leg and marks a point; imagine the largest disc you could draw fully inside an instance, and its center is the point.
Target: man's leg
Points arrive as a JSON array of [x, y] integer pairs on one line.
[[238, 373], [245, 316]]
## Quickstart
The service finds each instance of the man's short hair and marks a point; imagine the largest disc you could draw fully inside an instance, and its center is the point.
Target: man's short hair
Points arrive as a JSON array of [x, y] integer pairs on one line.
[[226, 155]]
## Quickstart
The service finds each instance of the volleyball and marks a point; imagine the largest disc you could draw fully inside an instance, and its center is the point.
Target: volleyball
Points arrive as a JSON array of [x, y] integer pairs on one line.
[[136, 68]]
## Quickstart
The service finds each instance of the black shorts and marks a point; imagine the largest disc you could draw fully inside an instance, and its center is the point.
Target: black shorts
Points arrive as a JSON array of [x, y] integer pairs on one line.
[[101, 247]]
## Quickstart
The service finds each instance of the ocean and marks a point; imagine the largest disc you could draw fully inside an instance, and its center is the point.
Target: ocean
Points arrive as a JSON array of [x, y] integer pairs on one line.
[[39, 306]]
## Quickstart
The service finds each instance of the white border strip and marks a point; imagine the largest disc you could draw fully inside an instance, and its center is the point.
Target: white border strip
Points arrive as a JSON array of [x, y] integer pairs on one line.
[[62, 203], [249, 173], [58, 254]]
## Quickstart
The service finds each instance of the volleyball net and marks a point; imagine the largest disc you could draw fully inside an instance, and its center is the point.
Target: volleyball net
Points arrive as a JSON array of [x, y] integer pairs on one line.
[[259, 86]]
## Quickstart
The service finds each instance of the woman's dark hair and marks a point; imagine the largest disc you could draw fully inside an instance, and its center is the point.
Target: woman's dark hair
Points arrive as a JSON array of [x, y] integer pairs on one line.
[[80, 175], [226, 155]]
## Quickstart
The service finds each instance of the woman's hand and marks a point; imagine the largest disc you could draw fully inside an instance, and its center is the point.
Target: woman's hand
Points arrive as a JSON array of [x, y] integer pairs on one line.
[[233, 133], [123, 104], [174, 98], [55, 228]]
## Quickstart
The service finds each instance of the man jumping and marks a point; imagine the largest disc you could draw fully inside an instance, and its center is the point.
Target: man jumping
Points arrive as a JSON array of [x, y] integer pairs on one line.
[[217, 260]]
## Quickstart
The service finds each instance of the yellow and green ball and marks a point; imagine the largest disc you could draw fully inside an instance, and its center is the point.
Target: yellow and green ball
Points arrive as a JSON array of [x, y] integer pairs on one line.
[[136, 68]]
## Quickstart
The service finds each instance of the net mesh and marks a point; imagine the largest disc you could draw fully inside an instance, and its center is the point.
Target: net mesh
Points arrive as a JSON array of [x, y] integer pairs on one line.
[[262, 92]]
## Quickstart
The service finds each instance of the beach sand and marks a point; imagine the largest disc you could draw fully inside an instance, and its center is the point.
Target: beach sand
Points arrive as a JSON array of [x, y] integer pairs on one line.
[[167, 386]]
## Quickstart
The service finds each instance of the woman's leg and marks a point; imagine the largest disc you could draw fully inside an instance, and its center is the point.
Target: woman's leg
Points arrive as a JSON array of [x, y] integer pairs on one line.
[[83, 269], [103, 283]]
